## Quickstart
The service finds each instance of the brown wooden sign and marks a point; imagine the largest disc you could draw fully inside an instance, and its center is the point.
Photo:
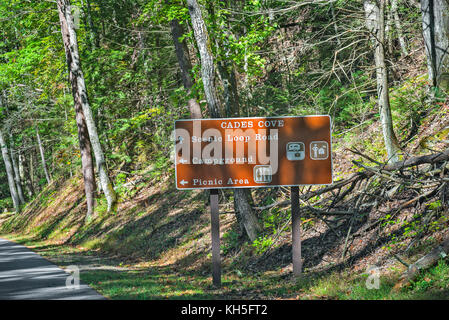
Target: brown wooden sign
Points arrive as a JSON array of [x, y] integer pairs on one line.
[[253, 152]]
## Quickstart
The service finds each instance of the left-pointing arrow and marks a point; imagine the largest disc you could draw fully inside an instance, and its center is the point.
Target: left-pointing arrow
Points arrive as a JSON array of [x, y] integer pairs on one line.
[[183, 161], [183, 182]]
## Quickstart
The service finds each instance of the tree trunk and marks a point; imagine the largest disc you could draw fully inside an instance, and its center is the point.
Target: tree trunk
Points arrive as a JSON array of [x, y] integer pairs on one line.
[[41, 150], [9, 173], [93, 30], [80, 96], [397, 23], [84, 140], [16, 173], [86, 161], [25, 176], [182, 53], [241, 196], [31, 172], [435, 19], [376, 25], [207, 61], [4, 104], [430, 259], [388, 30]]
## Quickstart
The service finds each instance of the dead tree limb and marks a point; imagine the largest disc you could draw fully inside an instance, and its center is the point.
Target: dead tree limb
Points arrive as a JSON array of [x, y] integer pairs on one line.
[[430, 259]]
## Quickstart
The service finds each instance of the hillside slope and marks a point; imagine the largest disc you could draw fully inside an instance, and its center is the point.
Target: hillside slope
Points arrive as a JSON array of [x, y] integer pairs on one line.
[[159, 230]]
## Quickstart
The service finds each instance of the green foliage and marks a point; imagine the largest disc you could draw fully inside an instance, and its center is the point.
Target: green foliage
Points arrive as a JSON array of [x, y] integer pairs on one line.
[[230, 241], [262, 244], [6, 203]]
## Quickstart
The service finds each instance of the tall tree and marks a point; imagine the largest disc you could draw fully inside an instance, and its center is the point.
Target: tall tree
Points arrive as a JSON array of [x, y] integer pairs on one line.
[[15, 167], [242, 196], [13, 155], [81, 101], [207, 60], [42, 153], [397, 23], [435, 20], [185, 65], [9, 173], [375, 23]]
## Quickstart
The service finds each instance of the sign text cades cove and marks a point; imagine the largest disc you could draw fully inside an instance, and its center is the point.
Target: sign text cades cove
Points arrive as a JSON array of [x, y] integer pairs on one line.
[[253, 152]]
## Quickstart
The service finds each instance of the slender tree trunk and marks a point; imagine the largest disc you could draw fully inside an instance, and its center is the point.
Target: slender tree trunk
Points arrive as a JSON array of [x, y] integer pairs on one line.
[[16, 173], [93, 30], [207, 60], [242, 196], [42, 153], [182, 53], [80, 97], [86, 160], [397, 23], [435, 18], [31, 172], [389, 30], [9, 173], [84, 140], [376, 25], [24, 175], [3, 103]]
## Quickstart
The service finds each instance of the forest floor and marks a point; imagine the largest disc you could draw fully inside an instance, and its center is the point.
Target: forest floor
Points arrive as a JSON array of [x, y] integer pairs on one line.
[[156, 245]]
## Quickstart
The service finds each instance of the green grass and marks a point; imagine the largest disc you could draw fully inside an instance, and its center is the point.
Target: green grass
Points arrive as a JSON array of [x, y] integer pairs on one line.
[[152, 284], [116, 280]]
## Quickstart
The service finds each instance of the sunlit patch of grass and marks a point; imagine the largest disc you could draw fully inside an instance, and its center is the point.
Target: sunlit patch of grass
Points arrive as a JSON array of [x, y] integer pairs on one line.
[[147, 285]]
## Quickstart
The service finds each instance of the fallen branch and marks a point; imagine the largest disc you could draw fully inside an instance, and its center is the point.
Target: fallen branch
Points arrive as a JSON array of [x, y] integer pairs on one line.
[[416, 161], [395, 211], [425, 262]]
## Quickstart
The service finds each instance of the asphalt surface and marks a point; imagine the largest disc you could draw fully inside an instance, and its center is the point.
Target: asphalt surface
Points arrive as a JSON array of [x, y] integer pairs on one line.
[[24, 275]]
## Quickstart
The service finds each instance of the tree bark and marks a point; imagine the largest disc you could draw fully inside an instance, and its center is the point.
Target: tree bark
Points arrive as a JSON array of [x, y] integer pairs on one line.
[[93, 30], [242, 197], [375, 23], [80, 96], [17, 178], [397, 23], [182, 53], [42, 153], [425, 262], [388, 30], [83, 138], [31, 172], [25, 175], [9, 173], [207, 61], [435, 19]]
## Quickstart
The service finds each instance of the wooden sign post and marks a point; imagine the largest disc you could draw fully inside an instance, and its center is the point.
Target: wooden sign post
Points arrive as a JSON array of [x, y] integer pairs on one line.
[[251, 153], [215, 234], [296, 231]]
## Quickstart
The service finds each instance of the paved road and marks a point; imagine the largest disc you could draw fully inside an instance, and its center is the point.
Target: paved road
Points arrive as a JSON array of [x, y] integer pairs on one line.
[[25, 275]]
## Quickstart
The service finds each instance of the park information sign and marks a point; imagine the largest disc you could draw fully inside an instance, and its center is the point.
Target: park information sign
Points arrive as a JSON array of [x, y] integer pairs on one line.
[[253, 152]]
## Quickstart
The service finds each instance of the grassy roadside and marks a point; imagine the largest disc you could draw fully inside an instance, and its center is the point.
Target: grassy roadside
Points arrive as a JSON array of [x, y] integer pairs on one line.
[[117, 280]]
